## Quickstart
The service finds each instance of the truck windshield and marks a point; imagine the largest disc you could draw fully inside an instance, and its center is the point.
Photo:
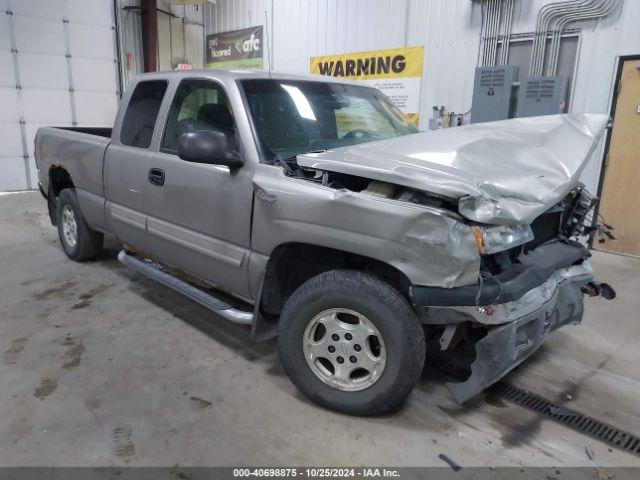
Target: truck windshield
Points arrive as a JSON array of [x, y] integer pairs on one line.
[[295, 117]]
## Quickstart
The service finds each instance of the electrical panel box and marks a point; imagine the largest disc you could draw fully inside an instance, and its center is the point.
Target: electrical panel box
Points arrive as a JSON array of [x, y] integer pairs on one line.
[[493, 93], [542, 96]]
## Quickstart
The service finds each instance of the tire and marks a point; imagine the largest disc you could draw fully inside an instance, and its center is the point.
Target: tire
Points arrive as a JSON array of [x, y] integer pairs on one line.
[[368, 301], [88, 243]]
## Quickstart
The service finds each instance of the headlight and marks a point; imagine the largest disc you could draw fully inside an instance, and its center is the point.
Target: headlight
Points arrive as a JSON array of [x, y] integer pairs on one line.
[[502, 237]]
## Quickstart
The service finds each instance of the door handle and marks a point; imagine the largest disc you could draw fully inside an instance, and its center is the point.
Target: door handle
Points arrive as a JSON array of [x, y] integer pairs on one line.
[[156, 177]]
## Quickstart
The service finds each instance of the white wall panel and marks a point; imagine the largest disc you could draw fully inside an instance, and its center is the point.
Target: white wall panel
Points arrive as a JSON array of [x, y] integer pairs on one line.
[[93, 75], [43, 71], [10, 139], [194, 45], [177, 41], [7, 77], [164, 41], [94, 12], [10, 111], [96, 108], [130, 35], [180, 35], [33, 172], [52, 9], [13, 173], [5, 43], [46, 105], [39, 35], [448, 29], [13, 177], [91, 41]]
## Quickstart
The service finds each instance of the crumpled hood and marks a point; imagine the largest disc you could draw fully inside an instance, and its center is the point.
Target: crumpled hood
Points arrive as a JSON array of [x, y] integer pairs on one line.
[[504, 172]]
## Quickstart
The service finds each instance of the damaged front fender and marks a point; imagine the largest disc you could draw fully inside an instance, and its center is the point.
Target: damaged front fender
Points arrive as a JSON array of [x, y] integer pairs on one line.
[[429, 245]]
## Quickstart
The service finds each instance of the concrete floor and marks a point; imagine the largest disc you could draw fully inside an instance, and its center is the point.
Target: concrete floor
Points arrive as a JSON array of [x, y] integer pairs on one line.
[[101, 366]]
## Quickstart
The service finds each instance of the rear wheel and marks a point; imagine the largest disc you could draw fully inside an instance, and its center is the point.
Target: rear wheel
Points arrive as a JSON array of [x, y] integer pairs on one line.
[[351, 343], [78, 241]]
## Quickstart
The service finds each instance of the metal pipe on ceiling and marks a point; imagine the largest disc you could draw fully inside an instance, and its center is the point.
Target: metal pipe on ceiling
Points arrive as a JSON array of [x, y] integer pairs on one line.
[[538, 35], [481, 41], [495, 30], [486, 34], [508, 30], [602, 9], [570, 10], [491, 31], [487, 30], [546, 15]]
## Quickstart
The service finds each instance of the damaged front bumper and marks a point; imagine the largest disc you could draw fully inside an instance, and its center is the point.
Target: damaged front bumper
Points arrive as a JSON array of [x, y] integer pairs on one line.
[[508, 345], [519, 323]]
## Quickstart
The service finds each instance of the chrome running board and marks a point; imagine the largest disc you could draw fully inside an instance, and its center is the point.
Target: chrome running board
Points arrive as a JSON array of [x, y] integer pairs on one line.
[[203, 298]]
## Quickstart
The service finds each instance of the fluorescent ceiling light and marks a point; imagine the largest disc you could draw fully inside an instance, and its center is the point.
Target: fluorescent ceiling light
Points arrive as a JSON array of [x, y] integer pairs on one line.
[[301, 102]]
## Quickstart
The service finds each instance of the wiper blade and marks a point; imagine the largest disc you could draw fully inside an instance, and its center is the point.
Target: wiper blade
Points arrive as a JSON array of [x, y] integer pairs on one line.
[[283, 163], [295, 156]]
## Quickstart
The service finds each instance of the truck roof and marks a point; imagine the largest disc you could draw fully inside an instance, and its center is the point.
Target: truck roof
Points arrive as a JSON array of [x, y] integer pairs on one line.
[[241, 74]]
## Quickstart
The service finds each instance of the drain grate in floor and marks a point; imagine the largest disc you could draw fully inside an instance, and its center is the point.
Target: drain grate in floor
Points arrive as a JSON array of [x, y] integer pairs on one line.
[[582, 423]]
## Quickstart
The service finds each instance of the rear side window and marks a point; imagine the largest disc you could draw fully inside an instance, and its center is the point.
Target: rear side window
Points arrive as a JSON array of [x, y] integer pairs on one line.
[[142, 111]]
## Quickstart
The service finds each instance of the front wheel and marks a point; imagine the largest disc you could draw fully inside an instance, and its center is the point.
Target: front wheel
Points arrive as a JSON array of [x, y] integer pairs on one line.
[[351, 343], [78, 241]]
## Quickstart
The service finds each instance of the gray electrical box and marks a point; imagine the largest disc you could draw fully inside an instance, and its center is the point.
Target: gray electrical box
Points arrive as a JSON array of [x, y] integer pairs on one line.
[[493, 97], [542, 96]]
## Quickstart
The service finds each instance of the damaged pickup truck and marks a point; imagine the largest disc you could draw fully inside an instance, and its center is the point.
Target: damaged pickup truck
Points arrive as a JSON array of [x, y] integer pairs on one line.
[[313, 211]]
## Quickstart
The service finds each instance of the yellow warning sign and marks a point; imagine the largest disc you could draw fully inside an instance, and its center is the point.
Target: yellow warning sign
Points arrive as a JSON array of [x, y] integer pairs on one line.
[[396, 72], [394, 63]]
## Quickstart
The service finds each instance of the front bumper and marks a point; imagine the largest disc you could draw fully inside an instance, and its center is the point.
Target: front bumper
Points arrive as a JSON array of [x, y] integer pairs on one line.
[[533, 269], [509, 344], [541, 294]]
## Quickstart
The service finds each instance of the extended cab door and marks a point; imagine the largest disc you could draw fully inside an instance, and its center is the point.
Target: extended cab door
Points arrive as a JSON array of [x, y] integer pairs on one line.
[[127, 163], [199, 214]]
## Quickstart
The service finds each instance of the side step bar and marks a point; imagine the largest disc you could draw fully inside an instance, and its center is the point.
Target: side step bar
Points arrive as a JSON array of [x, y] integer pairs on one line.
[[209, 301]]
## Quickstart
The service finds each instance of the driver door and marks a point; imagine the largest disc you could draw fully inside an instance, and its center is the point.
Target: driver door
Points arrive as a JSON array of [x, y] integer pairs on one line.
[[200, 214]]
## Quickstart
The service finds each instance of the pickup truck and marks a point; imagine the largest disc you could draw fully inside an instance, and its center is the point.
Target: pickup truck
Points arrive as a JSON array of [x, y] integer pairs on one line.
[[310, 209]]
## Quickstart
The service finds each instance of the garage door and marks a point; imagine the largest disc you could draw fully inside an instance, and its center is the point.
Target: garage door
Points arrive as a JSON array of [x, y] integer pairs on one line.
[[57, 67]]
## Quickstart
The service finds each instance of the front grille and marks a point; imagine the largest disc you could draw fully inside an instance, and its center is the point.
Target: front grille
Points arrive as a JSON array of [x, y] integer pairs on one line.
[[569, 219], [545, 227]]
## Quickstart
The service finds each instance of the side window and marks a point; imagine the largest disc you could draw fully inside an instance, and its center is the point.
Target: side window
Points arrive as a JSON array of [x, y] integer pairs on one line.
[[142, 111], [198, 105]]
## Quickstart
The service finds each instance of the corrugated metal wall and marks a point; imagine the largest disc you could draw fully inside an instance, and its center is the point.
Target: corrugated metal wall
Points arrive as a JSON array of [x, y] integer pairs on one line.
[[180, 35], [303, 28], [449, 31]]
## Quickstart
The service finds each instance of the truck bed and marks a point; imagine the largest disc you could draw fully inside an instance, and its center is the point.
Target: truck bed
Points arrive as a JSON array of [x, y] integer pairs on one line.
[[80, 151], [98, 131]]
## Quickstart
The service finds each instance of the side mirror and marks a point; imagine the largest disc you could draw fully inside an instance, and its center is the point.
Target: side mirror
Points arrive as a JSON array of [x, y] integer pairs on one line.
[[208, 146]]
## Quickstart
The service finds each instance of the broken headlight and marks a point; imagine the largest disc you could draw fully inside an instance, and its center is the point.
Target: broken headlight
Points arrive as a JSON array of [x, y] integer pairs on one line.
[[493, 239]]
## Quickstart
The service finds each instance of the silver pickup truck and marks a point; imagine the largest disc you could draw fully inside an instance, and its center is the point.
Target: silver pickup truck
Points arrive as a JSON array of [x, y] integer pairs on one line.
[[312, 210]]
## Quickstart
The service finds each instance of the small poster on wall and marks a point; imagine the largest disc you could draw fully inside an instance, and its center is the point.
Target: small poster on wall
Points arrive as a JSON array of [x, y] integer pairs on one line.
[[235, 49], [396, 72]]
